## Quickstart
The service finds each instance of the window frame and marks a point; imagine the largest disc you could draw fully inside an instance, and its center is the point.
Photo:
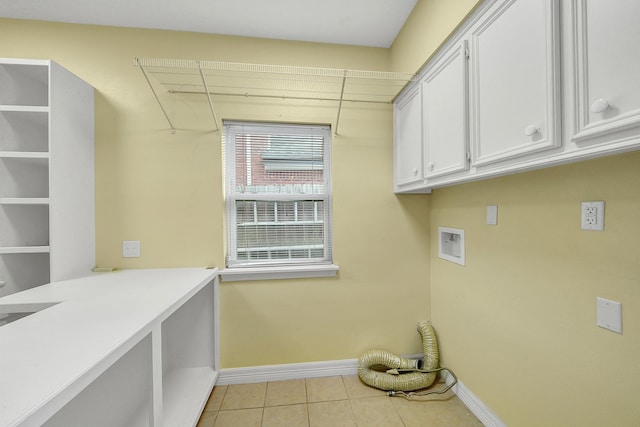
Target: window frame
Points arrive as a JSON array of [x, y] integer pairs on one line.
[[237, 269]]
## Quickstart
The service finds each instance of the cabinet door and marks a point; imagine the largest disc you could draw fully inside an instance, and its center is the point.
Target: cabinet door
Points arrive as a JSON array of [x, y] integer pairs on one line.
[[515, 80], [408, 139], [444, 103], [607, 66]]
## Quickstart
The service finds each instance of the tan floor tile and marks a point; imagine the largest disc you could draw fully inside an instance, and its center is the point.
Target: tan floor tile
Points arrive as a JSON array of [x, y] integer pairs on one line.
[[440, 411], [242, 396], [286, 416], [215, 399], [331, 414], [286, 393], [271, 405], [325, 389], [376, 412], [239, 418], [207, 419], [357, 389]]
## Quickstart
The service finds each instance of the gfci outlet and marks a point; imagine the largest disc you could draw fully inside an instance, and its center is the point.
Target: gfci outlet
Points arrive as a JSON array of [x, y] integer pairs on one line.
[[592, 217], [131, 248]]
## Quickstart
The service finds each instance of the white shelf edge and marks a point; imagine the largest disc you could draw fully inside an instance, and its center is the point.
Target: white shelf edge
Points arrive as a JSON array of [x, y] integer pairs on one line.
[[24, 61], [25, 108], [24, 200], [185, 392], [24, 250], [25, 154]]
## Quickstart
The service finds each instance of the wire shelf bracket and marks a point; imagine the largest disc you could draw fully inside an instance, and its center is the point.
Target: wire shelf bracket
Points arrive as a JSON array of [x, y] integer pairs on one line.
[[155, 94]]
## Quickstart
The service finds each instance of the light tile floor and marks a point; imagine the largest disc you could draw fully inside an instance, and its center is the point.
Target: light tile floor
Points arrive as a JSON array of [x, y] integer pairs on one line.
[[329, 402]]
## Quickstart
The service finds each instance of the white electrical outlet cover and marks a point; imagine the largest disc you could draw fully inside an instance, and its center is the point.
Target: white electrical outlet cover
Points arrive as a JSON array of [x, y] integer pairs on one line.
[[131, 248], [592, 216], [609, 314]]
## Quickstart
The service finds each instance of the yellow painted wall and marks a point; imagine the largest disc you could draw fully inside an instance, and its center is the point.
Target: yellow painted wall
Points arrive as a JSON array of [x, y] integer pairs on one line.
[[429, 25], [518, 322], [166, 191]]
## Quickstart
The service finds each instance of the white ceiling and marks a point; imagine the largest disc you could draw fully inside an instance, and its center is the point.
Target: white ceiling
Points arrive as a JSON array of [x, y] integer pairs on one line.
[[355, 22]]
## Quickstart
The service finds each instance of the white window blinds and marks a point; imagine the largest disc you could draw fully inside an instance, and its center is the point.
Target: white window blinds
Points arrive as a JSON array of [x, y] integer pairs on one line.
[[277, 193]]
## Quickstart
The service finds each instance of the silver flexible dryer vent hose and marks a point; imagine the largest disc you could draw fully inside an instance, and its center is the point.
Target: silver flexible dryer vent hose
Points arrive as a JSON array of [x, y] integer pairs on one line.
[[401, 373]]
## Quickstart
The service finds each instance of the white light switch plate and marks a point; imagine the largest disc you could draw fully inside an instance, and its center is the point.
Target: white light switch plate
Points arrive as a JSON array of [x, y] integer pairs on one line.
[[492, 215], [131, 248], [609, 314]]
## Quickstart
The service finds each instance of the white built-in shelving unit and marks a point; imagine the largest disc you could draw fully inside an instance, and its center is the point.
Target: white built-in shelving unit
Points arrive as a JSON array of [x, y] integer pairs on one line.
[[134, 348], [47, 213]]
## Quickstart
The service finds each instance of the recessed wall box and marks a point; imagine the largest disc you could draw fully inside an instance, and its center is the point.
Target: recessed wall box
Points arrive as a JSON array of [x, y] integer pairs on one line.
[[451, 244]]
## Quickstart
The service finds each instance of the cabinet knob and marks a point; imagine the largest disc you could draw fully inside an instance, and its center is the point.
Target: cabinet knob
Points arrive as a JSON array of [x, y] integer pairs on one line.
[[2, 283], [415, 172], [599, 105], [531, 130], [430, 166]]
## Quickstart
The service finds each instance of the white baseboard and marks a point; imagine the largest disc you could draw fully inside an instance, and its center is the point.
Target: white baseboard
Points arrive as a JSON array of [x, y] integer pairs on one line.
[[258, 374], [475, 405]]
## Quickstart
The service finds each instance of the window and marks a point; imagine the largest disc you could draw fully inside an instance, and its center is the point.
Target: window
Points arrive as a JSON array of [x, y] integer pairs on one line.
[[277, 194]]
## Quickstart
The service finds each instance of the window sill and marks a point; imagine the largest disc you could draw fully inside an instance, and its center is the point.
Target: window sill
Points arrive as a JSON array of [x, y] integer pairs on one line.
[[280, 272]]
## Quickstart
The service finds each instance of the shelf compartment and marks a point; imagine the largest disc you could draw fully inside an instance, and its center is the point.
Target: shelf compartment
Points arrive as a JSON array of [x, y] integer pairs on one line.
[[120, 396], [185, 393], [188, 359], [23, 270], [24, 130], [24, 177], [24, 225], [24, 84]]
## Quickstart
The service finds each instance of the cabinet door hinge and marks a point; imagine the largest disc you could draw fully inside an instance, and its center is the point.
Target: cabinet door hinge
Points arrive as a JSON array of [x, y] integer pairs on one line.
[[468, 156], [467, 53]]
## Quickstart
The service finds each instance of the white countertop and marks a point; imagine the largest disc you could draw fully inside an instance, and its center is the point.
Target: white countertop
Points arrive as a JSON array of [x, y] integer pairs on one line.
[[47, 357]]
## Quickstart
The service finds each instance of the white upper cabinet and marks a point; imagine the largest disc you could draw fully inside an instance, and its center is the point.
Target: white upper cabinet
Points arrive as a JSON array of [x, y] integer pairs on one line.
[[522, 85], [445, 118], [515, 74], [407, 126], [606, 67]]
